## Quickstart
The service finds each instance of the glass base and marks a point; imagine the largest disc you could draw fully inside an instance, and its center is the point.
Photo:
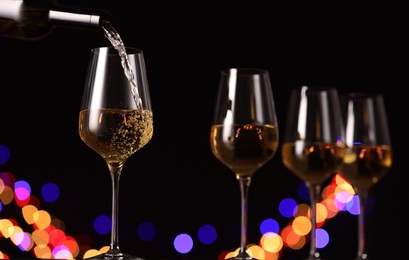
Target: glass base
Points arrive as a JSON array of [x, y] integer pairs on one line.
[[317, 257], [110, 257], [362, 257], [242, 257]]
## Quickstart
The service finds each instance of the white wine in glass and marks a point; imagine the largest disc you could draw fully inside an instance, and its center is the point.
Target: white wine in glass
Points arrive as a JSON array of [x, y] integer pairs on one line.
[[244, 132], [115, 118], [369, 152], [313, 144]]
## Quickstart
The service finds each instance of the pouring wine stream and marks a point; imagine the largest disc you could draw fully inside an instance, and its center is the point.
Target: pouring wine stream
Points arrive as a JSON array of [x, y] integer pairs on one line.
[[113, 36]]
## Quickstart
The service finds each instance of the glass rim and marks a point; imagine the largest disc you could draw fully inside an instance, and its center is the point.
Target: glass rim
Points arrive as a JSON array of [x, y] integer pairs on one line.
[[244, 70], [112, 51], [315, 88], [361, 94]]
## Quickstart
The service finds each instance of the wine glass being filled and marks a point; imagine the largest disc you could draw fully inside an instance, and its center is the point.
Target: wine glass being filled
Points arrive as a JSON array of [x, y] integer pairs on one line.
[[244, 132], [115, 118], [313, 143], [369, 152]]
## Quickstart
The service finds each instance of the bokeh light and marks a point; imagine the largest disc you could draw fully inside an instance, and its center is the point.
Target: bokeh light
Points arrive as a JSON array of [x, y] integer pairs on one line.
[[102, 224], [183, 243], [207, 234], [269, 226], [4, 154], [287, 207], [302, 192], [271, 242], [50, 192], [322, 237], [146, 231], [43, 235]]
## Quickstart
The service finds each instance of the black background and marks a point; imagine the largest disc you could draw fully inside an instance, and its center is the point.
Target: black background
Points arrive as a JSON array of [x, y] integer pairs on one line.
[[175, 181]]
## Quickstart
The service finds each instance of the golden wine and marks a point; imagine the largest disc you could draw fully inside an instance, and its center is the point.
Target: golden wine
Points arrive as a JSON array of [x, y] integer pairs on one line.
[[364, 165], [244, 148], [313, 162], [115, 134]]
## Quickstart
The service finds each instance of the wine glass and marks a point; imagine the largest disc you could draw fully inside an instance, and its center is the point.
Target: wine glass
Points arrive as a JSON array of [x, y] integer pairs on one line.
[[244, 132], [368, 155], [116, 118], [313, 146]]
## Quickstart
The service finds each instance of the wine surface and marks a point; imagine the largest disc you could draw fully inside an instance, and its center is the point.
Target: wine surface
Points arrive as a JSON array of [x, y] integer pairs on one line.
[[115, 134], [244, 148], [313, 162], [365, 165]]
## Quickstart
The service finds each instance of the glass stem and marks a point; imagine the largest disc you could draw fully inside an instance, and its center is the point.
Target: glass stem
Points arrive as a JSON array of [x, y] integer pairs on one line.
[[362, 195], [244, 190], [314, 193], [115, 170]]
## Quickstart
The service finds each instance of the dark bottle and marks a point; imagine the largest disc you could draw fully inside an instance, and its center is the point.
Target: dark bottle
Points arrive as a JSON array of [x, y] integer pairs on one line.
[[35, 19]]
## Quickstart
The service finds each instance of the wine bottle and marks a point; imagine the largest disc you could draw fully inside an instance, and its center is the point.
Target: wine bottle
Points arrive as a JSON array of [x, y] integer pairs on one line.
[[36, 19]]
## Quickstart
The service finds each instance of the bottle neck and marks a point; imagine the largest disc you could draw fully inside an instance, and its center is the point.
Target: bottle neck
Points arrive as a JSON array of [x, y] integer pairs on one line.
[[78, 19], [34, 19]]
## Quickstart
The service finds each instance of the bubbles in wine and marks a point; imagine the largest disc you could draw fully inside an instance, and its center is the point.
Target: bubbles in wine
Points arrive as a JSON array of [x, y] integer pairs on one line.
[[118, 134]]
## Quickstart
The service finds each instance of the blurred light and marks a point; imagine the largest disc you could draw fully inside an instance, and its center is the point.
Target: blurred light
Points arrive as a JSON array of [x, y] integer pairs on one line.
[[43, 252], [232, 254], [291, 239], [255, 251], [61, 252], [343, 196], [42, 219], [271, 242], [146, 231], [7, 178], [322, 237], [302, 210], [21, 239], [91, 253], [102, 224], [207, 234], [26, 242], [2, 185], [287, 207], [302, 191], [183, 243], [41, 237], [353, 205], [7, 195], [72, 245], [4, 154], [6, 227], [342, 183], [35, 201], [272, 256], [48, 238], [57, 236], [301, 225], [57, 223], [50, 192], [22, 192], [222, 255], [28, 213], [269, 225], [3, 256], [332, 210], [321, 213]]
